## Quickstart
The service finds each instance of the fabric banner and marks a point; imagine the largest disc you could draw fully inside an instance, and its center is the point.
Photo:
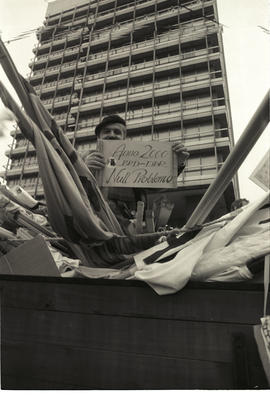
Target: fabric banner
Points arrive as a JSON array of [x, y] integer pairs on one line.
[[217, 253]]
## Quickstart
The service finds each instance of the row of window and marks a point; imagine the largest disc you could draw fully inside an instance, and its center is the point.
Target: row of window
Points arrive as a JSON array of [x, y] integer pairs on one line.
[[66, 51], [74, 22], [53, 84], [144, 114], [185, 26], [79, 10], [195, 133], [173, 33], [29, 161], [200, 167], [60, 27], [74, 49], [134, 67], [193, 161], [127, 23], [71, 15], [192, 106], [63, 116], [141, 88], [190, 132], [56, 100], [191, 53], [133, 89]]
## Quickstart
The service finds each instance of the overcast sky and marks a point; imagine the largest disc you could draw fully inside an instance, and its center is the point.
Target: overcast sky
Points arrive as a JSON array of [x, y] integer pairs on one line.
[[247, 55]]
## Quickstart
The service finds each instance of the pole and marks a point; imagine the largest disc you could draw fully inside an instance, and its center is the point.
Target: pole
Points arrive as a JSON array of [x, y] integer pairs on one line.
[[242, 148], [14, 78]]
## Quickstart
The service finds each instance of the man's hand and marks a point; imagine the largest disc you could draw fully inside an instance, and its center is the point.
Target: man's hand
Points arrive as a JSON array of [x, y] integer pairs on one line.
[[181, 152], [94, 161]]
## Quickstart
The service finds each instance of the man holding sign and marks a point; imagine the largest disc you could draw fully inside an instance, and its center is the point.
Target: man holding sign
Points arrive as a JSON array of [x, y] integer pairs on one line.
[[123, 199]]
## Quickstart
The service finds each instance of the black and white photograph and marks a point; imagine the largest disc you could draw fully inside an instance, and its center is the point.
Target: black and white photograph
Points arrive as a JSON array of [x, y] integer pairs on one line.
[[142, 264]]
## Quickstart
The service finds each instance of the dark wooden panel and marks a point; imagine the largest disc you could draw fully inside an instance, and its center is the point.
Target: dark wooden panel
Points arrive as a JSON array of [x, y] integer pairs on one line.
[[249, 285], [188, 304], [29, 383], [208, 341], [62, 334], [97, 369]]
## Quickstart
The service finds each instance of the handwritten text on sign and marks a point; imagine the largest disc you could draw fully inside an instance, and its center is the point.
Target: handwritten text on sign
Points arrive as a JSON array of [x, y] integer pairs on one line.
[[138, 164]]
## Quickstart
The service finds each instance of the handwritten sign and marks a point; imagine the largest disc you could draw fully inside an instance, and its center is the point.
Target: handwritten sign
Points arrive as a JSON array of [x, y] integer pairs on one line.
[[261, 174], [138, 164]]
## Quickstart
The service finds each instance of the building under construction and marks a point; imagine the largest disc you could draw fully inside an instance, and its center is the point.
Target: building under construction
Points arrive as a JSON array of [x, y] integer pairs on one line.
[[159, 64]]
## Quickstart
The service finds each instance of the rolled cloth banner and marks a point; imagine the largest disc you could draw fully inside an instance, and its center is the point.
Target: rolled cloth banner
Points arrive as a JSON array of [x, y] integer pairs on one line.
[[23, 196]]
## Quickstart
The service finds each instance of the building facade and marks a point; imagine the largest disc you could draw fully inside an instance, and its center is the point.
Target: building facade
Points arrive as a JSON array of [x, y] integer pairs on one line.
[[159, 64]]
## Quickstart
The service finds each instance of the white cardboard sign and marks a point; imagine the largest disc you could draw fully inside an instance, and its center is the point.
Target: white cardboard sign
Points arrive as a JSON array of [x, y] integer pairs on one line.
[[150, 164]]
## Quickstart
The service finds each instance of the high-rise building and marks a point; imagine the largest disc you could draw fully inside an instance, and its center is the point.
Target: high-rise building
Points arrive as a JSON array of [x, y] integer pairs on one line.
[[159, 64]]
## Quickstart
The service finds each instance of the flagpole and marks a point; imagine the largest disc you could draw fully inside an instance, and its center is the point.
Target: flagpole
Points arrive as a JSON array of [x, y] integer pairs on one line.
[[21, 117], [242, 148], [14, 77]]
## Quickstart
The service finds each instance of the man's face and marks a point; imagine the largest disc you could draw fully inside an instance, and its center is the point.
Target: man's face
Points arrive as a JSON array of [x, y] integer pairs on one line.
[[113, 131]]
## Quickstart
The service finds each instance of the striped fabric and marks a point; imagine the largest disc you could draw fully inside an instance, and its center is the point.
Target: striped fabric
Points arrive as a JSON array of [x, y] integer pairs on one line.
[[70, 212], [76, 208], [82, 177]]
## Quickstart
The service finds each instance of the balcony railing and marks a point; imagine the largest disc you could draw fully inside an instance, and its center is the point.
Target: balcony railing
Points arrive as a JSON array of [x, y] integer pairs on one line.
[[71, 13], [202, 137], [119, 29], [193, 106], [60, 39], [125, 50], [53, 84], [140, 88], [54, 55], [183, 55], [53, 69], [186, 29], [127, 6]]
